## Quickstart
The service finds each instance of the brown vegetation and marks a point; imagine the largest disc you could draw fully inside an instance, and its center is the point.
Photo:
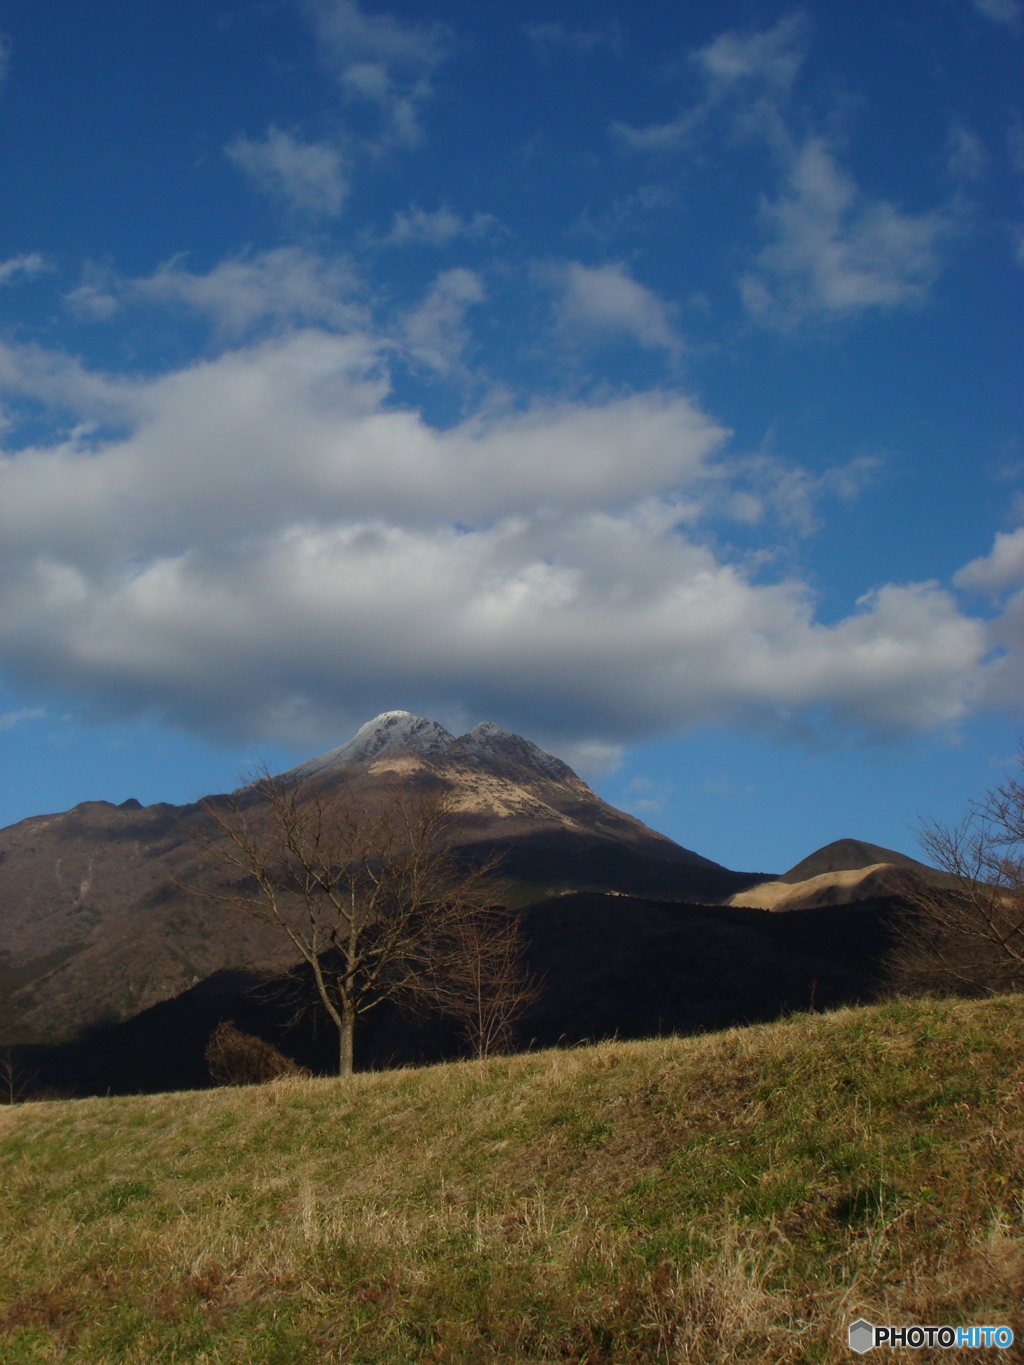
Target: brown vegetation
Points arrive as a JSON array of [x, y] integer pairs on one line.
[[481, 979], [966, 934], [237, 1058], [16, 1080]]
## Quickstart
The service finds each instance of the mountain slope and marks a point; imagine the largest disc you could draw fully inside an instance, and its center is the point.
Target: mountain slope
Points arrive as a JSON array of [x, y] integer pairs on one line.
[[844, 872], [499, 783], [94, 924], [848, 855]]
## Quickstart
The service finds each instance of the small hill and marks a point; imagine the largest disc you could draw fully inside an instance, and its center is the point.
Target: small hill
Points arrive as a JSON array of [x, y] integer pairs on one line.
[[735, 1198], [845, 872], [849, 855]]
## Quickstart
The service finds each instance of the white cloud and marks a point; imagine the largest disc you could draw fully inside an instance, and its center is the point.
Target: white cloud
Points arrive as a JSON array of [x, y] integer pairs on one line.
[[381, 61], [93, 301], [660, 137], [434, 332], [21, 267], [748, 73], [284, 285], [1002, 567], [307, 176], [1003, 683], [437, 228], [595, 303], [771, 58], [593, 759], [763, 490], [1000, 11], [272, 549], [835, 250], [1000, 573]]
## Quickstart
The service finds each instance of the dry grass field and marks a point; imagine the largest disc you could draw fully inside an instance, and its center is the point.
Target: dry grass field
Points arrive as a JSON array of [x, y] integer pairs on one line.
[[738, 1197]]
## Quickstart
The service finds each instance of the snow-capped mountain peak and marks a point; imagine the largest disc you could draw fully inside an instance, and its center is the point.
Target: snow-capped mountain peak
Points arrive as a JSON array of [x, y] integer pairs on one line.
[[389, 730], [486, 746]]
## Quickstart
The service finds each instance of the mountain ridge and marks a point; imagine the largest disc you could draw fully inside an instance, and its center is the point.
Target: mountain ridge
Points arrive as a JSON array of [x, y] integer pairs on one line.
[[95, 924]]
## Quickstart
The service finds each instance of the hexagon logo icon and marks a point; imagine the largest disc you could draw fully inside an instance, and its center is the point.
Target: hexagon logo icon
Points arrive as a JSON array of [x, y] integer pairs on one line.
[[862, 1336]]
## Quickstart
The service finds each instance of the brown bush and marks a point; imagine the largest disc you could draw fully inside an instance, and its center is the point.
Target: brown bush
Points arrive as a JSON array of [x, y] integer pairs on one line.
[[237, 1058]]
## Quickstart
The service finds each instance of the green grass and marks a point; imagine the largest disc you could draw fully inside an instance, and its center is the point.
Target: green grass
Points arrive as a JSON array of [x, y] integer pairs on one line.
[[734, 1198]]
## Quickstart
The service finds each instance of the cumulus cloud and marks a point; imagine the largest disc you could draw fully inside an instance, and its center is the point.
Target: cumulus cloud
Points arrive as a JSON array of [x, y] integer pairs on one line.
[[834, 250], [438, 228], [96, 299], [1002, 567], [593, 759], [284, 285], [254, 291], [771, 58], [21, 267], [1000, 574], [271, 547], [748, 73], [596, 303], [380, 61], [434, 332], [763, 490], [307, 176]]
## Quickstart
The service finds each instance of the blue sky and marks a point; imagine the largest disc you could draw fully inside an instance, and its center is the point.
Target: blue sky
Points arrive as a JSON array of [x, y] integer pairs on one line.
[[643, 378]]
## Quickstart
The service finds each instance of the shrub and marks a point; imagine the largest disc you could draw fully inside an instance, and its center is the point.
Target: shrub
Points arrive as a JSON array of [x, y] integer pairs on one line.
[[237, 1058]]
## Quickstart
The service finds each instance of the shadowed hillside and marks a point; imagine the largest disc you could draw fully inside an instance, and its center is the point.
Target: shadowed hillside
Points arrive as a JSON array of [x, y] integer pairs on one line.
[[609, 966]]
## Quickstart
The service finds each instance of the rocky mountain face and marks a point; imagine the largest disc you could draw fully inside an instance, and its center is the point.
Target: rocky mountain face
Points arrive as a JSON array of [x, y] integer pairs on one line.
[[506, 790], [95, 924]]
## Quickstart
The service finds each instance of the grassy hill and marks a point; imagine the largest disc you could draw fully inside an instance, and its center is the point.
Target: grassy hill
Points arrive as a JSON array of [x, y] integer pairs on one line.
[[736, 1197]]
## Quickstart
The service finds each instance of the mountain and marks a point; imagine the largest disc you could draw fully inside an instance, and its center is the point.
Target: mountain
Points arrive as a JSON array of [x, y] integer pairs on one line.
[[95, 925], [844, 872], [553, 832], [849, 855]]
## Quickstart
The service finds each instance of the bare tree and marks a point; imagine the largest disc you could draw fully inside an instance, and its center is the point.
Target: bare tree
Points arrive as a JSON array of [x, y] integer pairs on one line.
[[365, 889], [480, 977], [16, 1081], [965, 932]]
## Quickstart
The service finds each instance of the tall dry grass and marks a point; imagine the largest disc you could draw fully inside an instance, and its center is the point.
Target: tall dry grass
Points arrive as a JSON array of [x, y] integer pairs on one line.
[[739, 1197]]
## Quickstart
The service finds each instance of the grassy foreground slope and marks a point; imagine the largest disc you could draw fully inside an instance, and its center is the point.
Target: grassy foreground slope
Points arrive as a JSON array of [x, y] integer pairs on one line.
[[731, 1198]]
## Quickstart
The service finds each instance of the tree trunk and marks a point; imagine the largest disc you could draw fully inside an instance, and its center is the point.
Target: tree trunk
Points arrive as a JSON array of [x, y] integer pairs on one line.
[[346, 1038]]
